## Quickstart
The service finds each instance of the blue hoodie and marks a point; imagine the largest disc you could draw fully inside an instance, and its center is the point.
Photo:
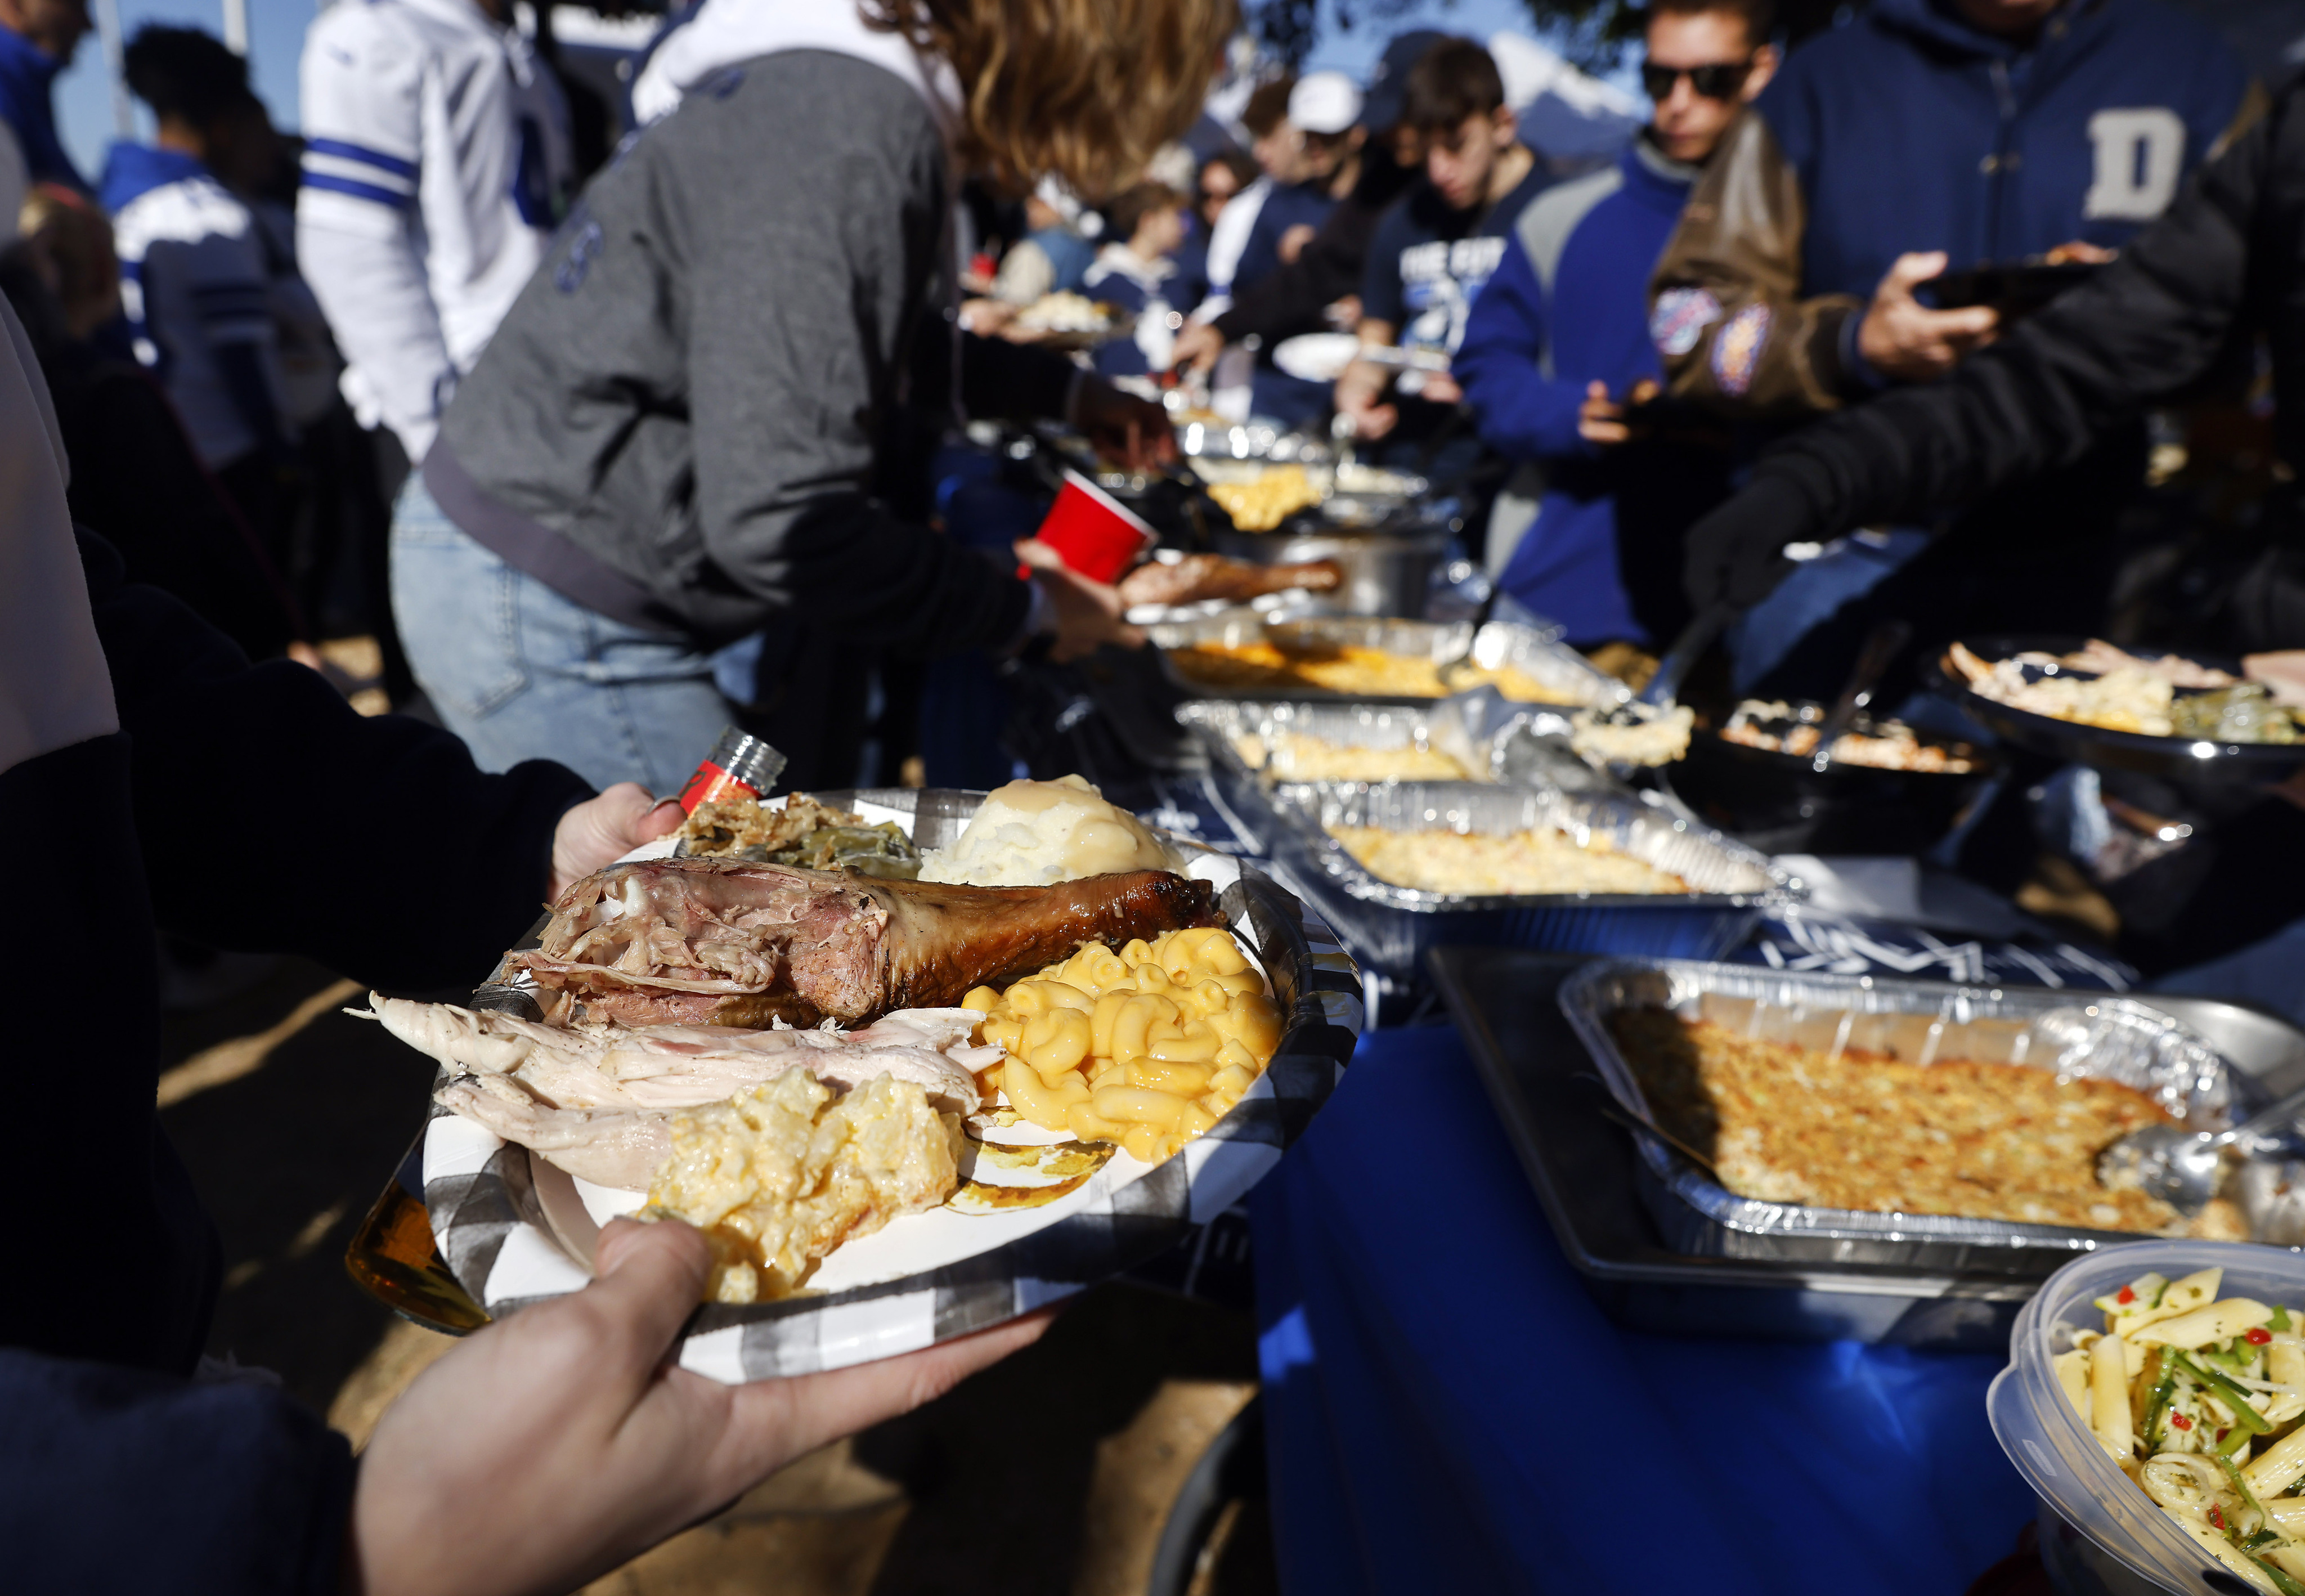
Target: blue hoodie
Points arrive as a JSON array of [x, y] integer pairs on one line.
[[1568, 306], [28, 76], [1911, 130]]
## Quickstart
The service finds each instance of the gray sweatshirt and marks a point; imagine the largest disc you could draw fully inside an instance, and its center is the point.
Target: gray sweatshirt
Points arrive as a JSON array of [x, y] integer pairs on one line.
[[683, 421]]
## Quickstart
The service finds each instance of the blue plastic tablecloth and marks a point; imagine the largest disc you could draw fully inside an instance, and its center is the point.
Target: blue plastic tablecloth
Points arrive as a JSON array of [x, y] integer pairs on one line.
[[1446, 1409]]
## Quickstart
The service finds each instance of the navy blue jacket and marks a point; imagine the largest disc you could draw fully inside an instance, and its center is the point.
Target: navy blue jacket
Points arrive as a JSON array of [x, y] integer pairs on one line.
[[28, 77], [1289, 205], [1567, 307], [1910, 130]]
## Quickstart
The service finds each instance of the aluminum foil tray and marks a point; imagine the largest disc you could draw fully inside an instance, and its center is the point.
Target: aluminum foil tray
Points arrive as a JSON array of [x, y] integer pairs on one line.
[[1469, 727], [1538, 653], [1391, 926], [2095, 1034]]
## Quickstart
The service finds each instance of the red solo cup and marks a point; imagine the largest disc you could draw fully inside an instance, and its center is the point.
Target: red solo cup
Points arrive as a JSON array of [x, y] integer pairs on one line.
[[1092, 532]]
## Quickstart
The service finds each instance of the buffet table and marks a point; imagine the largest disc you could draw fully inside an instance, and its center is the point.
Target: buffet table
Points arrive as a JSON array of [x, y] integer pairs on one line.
[[1447, 1408]]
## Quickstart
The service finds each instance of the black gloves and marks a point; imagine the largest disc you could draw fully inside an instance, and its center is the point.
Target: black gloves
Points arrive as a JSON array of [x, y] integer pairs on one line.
[[1734, 555]]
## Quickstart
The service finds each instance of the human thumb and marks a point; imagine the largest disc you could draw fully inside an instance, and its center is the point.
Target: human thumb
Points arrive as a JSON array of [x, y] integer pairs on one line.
[[647, 1280], [1909, 271]]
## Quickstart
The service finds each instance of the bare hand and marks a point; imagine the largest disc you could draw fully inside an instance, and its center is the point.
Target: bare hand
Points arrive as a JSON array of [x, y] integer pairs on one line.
[[1088, 612], [2079, 251], [1359, 399], [1601, 420], [1292, 241], [1439, 387], [599, 831], [1197, 346], [1121, 425], [554, 1446], [1904, 339], [987, 318]]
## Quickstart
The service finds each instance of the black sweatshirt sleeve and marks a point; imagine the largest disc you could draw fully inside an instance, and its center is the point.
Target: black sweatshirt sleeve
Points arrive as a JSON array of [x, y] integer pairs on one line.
[[1014, 381], [120, 1479], [2151, 324], [275, 818]]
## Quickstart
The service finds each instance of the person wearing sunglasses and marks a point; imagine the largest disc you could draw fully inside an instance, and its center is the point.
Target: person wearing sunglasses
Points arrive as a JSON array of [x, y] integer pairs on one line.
[[1923, 136], [1557, 350]]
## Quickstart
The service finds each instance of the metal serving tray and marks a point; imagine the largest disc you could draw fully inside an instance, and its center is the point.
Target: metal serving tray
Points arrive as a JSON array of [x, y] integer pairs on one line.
[[1583, 1170], [1467, 728], [1391, 926], [2094, 1035], [1488, 734], [1537, 653]]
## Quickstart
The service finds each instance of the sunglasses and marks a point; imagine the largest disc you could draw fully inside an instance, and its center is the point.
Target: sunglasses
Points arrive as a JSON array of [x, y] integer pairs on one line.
[[1719, 80]]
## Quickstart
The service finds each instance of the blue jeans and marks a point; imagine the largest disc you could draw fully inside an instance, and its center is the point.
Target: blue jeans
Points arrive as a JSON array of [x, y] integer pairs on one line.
[[520, 672]]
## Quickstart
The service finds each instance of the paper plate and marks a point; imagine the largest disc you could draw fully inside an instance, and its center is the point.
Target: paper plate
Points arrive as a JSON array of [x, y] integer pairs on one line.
[[1316, 357], [516, 1230]]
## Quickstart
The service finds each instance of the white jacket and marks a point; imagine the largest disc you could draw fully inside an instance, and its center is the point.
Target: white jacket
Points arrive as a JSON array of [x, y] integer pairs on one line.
[[436, 163]]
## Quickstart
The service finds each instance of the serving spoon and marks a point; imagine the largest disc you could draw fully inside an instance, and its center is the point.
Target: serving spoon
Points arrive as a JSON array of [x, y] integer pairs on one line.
[[1666, 685], [2180, 1166], [1881, 646]]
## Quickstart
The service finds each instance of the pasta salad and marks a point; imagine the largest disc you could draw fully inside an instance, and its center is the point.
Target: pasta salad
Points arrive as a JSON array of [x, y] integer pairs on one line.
[[2198, 1397]]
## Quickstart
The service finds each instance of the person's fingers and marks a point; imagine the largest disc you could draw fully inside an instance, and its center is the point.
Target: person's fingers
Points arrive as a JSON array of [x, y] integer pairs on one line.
[[1906, 271], [647, 1280], [1643, 391], [810, 1409], [662, 820], [1970, 322], [1039, 555], [1596, 392]]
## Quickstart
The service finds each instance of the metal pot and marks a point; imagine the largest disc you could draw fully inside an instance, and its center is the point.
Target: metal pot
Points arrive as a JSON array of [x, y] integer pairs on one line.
[[1386, 573]]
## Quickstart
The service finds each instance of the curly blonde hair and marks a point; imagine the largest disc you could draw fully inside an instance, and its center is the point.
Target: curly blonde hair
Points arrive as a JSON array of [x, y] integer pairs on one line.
[[1083, 90]]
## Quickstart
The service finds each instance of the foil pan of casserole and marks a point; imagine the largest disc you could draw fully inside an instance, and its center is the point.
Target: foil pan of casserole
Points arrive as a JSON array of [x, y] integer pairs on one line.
[[1870, 1023]]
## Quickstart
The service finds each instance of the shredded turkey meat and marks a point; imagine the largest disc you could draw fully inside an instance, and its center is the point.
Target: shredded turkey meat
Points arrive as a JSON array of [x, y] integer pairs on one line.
[[597, 1101], [732, 942]]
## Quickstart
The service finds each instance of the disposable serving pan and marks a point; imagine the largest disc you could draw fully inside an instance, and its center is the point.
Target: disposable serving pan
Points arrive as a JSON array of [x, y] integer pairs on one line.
[[2092, 1035], [1583, 1170], [1391, 926], [1538, 654], [1486, 733], [1469, 727]]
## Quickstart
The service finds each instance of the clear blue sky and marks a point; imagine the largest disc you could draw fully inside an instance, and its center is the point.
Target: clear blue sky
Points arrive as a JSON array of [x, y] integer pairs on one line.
[[276, 27]]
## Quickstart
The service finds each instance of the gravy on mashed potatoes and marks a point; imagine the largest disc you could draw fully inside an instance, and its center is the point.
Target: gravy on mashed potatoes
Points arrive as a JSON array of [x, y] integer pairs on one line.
[[1037, 833]]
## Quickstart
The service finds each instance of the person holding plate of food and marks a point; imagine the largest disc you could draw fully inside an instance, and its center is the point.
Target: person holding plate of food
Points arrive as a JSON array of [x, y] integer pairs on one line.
[[704, 419]]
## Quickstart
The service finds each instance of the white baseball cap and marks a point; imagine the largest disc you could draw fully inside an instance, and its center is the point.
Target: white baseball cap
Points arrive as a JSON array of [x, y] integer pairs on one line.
[[1324, 103]]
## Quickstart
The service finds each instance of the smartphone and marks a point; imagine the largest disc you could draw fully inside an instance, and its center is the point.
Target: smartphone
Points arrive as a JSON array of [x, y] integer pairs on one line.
[[2015, 288]]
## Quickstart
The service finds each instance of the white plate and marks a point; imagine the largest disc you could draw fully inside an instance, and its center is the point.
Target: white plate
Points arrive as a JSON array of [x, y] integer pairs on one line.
[[515, 1229]]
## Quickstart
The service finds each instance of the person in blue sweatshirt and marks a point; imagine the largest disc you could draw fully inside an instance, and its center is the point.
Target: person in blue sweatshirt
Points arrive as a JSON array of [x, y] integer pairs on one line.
[[195, 284], [1558, 346], [1924, 136], [38, 38]]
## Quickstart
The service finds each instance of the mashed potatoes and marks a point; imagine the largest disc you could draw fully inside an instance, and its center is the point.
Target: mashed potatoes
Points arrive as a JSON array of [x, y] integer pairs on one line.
[[1035, 833]]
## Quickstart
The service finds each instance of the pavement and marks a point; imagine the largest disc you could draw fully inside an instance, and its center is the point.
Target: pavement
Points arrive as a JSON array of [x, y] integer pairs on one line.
[[1050, 1474]]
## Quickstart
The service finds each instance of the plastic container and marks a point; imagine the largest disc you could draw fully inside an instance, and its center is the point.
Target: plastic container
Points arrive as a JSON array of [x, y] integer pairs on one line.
[[2100, 1534]]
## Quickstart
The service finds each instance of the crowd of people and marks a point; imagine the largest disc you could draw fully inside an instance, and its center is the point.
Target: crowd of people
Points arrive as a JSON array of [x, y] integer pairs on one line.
[[607, 453]]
